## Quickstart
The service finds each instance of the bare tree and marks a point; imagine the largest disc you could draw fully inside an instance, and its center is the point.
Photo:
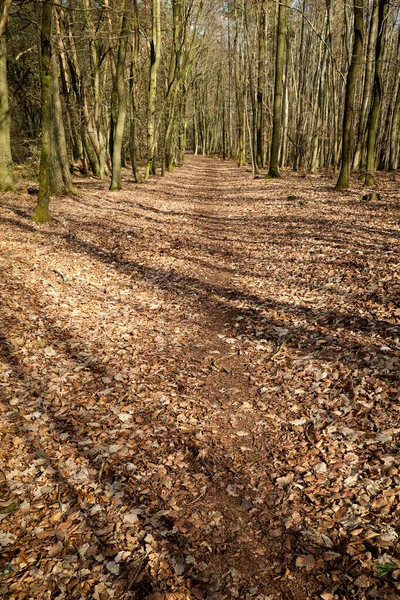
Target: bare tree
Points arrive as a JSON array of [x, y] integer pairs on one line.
[[41, 214], [278, 94], [349, 102], [6, 175]]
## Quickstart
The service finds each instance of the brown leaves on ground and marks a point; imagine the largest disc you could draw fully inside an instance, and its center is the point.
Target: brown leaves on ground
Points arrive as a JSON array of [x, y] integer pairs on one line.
[[199, 384]]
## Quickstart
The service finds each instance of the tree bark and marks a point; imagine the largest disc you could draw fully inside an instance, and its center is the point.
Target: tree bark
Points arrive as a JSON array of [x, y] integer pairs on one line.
[[376, 103], [41, 214], [60, 176], [6, 174], [241, 155], [278, 94], [120, 99], [349, 103], [368, 80], [88, 131], [394, 133], [260, 83], [155, 55], [95, 58], [132, 89]]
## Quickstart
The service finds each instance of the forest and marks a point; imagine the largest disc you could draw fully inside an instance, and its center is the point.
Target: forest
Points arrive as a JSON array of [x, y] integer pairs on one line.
[[96, 86], [199, 299]]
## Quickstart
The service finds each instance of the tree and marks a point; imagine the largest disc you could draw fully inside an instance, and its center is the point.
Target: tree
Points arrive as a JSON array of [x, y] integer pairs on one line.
[[247, 76], [262, 26], [240, 85], [278, 94], [376, 104], [349, 102], [95, 53], [395, 130], [6, 175], [155, 56], [60, 175], [41, 214], [132, 90], [118, 104], [368, 80]]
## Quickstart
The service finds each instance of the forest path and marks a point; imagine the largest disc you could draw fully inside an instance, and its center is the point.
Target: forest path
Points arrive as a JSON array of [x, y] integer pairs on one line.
[[198, 377]]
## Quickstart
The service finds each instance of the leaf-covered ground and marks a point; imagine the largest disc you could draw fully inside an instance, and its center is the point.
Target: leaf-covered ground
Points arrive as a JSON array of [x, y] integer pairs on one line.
[[199, 384]]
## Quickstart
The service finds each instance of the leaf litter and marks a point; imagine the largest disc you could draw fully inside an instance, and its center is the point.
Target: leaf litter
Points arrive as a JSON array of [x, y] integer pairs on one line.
[[199, 387]]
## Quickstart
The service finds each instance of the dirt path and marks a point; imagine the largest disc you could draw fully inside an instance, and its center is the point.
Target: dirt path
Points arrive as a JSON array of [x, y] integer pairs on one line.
[[198, 390]]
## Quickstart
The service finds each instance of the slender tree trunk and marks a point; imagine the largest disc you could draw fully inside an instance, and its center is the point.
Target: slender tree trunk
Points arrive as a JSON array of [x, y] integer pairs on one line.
[[174, 77], [155, 55], [60, 176], [183, 123], [41, 214], [260, 83], [116, 181], [285, 108], [134, 61], [278, 94], [88, 131], [299, 150], [223, 133], [71, 115], [95, 58], [376, 104], [349, 103], [253, 131], [239, 97], [6, 175], [394, 133], [368, 80]]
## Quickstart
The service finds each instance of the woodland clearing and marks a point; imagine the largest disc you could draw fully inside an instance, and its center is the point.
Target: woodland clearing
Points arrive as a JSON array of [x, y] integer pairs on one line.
[[199, 382]]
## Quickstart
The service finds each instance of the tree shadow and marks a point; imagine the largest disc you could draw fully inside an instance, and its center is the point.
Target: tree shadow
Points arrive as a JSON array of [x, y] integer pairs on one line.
[[96, 474]]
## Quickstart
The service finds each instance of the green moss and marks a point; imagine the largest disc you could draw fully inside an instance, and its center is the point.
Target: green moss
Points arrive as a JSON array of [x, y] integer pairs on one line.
[[272, 174], [41, 214]]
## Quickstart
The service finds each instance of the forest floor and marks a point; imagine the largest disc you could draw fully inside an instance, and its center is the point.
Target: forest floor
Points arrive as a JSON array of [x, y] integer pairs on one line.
[[199, 390]]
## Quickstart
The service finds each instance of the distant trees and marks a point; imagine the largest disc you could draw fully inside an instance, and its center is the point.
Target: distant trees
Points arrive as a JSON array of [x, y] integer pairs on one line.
[[305, 84]]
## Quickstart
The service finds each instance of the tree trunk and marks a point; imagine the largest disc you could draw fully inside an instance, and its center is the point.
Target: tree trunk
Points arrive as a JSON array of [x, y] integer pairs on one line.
[[349, 103], [95, 57], [155, 55], [88, 131], [253, 130], [376, 104], [6, 175], [120, 99], [260, 84], [41, 214], [173, 81], [239, 97], [60, 176], [394, 133], [132, 87], [368, 80], [299, 145], [278, 94]]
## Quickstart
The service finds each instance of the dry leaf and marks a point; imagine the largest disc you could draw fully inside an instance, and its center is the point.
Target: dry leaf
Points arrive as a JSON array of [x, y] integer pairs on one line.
[[305, 561]]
